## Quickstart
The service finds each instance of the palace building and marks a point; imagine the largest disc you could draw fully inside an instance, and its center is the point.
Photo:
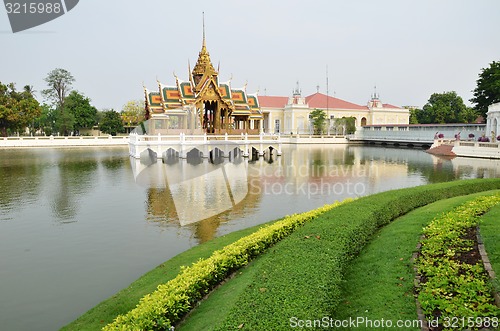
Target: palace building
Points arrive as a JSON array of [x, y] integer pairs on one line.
[[291, 114], [203, 104]]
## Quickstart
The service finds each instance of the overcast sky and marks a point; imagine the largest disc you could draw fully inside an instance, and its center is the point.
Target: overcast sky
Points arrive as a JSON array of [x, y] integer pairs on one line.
[[408, 49]]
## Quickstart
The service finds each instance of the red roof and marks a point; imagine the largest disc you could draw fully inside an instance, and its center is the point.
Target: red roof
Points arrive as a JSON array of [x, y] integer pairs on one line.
[[272, 101], [319, 100], [316, 100], [386, 105]]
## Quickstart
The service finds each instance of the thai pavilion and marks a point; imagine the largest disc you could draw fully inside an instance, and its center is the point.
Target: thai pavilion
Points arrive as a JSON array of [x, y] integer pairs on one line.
[[202, 104]]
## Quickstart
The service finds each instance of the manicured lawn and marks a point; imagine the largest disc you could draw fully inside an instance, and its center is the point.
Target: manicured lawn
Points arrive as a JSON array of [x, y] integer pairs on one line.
[[380, 281], [490, 231]]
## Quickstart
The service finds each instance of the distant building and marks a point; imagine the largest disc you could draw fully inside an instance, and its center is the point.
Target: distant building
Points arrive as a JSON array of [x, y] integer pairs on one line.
[[291, 114], [493, 120]]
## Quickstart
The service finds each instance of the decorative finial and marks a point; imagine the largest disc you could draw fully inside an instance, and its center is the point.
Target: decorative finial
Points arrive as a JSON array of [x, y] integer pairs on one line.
[[204, 42], [317, 88]]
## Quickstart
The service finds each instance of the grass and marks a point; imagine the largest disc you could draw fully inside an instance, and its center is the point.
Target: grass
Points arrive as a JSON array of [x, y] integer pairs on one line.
[[490, 232]]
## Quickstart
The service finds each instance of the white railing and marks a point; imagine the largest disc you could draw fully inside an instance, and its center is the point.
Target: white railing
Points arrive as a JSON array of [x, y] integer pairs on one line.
[[203, 139], [62, 141]]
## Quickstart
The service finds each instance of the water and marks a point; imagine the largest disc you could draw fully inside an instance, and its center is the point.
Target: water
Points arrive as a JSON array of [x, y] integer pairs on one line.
[[78, 225]]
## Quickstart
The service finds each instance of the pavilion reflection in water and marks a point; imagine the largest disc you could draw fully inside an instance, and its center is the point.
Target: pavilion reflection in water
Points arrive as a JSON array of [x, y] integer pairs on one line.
[[195, 189]]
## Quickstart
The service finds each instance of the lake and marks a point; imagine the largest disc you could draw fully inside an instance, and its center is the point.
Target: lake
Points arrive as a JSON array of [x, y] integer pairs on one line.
[[77, 225]]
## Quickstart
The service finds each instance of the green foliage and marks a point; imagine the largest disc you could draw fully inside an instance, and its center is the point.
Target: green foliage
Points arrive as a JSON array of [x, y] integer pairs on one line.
[[59, 82], [414, 116], [110, 122], [487, 90], [17, 109], [318, 118], [133, 112], [345, 125], [84, 114], [65, 122], [445, 107], [452, 287], [490, 233]]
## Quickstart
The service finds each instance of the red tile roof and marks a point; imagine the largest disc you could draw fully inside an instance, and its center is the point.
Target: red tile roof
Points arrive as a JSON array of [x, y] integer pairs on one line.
[[319, 100], [386, 105], [272, 101], [316, 100]]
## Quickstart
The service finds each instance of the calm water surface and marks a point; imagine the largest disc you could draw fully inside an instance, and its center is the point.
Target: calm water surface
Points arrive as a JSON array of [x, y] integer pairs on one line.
[[77, 225]]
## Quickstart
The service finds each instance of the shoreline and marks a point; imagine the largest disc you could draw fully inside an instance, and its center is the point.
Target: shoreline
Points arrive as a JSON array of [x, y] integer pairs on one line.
[[63, 141]]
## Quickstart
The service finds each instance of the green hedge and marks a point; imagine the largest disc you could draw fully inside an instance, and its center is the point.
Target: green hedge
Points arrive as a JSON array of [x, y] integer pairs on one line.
[[344, 231], [453, 288], [160, 309], [312, 271]]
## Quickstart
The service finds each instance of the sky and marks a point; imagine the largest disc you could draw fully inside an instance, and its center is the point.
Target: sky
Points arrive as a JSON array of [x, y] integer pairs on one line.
[[408, 50]]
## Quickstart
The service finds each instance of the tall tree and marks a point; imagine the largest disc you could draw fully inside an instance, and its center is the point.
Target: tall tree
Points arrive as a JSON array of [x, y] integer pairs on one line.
[[59, 82], [133, 112], [17, 109], [318, 118], [444, 107], [487, 91], [111, 122], [345, 125], [84, 114]]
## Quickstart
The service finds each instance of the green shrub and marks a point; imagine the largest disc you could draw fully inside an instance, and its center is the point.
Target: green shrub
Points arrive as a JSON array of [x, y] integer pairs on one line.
[[454, 288], [160, 309]]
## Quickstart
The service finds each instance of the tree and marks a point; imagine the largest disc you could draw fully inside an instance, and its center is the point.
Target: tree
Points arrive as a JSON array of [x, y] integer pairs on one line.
[[46, 121], [84, 114], [469, 115], [487, 91], [133, 112], [17, 109], [345, 125], [111, 122], [444, 107], [318, 119], [414, 116], [59, 82]]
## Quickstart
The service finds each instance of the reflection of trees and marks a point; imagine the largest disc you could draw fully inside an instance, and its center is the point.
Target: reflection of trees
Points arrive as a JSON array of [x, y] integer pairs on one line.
[[114, 163], [76, 176], [20, 178]]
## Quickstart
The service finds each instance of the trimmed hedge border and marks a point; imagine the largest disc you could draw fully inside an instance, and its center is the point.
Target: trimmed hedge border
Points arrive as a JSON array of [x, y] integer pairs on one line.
[[159, 310], [171, 301], [453, 288]]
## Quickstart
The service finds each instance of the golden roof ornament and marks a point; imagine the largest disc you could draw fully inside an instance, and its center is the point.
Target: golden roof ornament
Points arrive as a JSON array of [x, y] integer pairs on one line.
[[204, 63]]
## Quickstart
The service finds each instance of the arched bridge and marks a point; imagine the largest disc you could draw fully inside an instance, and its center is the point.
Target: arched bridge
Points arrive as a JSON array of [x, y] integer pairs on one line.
[[164, 146]]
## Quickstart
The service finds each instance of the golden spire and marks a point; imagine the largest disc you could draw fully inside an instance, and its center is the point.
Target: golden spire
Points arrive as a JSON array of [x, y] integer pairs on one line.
[[204, 63]]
